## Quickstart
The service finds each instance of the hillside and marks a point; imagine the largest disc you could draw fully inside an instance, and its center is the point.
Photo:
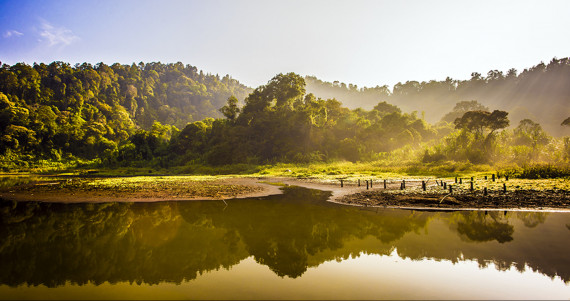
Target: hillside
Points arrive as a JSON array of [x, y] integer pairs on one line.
[[172, 94], [85, 110], [541, 93]]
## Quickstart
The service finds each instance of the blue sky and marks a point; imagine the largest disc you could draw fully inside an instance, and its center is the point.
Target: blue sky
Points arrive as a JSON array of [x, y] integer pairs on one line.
[[367, 43]]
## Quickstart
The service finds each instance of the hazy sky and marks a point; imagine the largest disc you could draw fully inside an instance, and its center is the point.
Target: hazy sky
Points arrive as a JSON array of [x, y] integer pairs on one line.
[[368, 43]]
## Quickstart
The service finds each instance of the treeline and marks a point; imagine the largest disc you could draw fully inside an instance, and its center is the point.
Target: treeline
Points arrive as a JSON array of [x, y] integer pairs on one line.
[[481, 138], [124, 115], [86, 111], [540, 93], [281, 123]]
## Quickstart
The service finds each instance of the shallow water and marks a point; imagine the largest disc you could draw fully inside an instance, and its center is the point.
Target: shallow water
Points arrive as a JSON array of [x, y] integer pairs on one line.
[[290, 246]]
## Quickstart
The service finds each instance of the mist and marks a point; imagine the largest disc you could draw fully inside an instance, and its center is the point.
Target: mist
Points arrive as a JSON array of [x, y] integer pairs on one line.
[[540, 93]]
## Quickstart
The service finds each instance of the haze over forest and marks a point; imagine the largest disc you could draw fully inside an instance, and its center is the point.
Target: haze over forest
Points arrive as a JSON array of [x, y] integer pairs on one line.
[[174, 114], [540, 93]]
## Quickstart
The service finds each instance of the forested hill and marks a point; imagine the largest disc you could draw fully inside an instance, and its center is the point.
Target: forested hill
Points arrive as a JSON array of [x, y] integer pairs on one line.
[[123, 95], [540, 93]]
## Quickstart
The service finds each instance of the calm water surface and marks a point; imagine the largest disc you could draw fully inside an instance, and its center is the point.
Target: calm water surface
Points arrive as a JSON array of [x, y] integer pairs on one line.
[[290, 246]]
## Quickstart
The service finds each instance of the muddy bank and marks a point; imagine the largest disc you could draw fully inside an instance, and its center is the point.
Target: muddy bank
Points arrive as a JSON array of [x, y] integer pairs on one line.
[[435, 198], [520, 199], [183, 188], [147, 189]]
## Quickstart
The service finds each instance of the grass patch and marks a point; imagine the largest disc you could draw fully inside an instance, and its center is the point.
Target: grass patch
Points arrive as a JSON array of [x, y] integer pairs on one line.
[[547, 171]]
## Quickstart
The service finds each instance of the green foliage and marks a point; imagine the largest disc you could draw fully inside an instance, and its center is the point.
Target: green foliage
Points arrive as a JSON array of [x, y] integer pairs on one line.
[[463, 107], [123, 116], [538, 171], [230, 110], [280, 123], [89, 111], [479, 121], [539, 92]]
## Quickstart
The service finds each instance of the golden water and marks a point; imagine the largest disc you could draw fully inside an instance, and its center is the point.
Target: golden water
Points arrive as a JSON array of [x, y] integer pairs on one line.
[[290, 246]]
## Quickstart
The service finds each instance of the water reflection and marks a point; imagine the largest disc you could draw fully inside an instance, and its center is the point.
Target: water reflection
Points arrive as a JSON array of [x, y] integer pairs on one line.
[[51, 244], [483, 226]]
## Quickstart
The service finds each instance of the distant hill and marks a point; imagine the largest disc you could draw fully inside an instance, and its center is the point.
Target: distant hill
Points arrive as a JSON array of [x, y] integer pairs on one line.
[[541, 93], [172, 94], [58, 109]]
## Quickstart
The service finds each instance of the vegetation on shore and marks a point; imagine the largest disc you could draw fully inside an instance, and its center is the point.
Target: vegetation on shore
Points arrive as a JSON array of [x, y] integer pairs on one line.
[[87, 189], [109, 119]]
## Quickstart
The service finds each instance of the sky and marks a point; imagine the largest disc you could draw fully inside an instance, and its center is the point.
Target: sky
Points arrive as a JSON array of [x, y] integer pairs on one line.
[[367, 43]]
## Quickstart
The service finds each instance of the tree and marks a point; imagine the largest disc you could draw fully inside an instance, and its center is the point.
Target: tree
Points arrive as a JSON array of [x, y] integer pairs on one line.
[[497, 120], [231, 110], [386, 108], [285, 89], [531, 134], [462, 107], [478, 121]]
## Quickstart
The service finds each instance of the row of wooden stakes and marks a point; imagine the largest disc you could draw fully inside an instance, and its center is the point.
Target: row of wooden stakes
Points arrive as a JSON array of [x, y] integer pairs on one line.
[[441, 183]]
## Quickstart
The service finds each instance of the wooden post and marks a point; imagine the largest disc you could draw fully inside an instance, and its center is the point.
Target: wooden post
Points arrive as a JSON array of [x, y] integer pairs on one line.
[[404, 184], [460, 180], [444, 185], [450, 188], [424, 185], [504, 187], [401, 186], [366, 184], [485, 191], [506, 179], [341, 183], [471, 179], [358, 182], [455, 179], [471, 185], [370, 183], [485, 177], [493, 176], [384, 184]]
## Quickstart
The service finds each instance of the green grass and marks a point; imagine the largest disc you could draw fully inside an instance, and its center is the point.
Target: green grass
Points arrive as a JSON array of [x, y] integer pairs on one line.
[[540, 171]]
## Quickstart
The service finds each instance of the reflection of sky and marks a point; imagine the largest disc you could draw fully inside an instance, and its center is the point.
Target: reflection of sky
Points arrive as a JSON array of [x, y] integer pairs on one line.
[[364, 277]]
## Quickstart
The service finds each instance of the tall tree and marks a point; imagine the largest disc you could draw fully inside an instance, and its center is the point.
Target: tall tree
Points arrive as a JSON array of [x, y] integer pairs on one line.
[[231, 110]]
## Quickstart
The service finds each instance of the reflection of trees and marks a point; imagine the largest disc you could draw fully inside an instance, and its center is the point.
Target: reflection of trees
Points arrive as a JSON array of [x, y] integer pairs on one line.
[[172, 241], [53, 243], [284, 231], [532, 219], [541, 249], [50, 244], [494, 225], [479, 226]]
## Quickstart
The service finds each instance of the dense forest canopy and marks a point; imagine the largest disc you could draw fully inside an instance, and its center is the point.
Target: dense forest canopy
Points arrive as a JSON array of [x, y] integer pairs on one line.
[[87, 110], [540, 93], [164, 115], [172, 94]]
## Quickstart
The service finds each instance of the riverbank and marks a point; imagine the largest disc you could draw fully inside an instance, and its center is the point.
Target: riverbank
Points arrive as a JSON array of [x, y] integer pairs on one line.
[[436, 198], [510, 200], [133, 189], [529, 195]]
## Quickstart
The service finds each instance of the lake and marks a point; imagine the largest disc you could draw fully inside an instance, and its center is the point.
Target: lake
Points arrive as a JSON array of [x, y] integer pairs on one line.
[[290, 246]]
